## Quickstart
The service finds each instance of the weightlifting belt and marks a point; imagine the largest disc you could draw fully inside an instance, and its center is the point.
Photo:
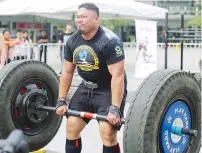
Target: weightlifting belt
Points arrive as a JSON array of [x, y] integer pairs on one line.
[[90, 85]]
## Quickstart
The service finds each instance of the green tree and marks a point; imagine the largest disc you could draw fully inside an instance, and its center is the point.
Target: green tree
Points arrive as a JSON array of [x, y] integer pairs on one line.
[[196, 21], [113, 23]]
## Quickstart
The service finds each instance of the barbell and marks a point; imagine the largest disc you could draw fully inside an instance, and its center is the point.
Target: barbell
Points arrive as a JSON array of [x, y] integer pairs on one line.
[[163, 117], [175, 129]]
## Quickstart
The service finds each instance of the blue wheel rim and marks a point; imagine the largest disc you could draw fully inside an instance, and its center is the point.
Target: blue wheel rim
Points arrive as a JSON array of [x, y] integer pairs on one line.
[[177, 114]]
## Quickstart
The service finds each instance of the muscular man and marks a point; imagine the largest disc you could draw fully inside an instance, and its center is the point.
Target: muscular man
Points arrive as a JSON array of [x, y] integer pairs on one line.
[[99, 57]]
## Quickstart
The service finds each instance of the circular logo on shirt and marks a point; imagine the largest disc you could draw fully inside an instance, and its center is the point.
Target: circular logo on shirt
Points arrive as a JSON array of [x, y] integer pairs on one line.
[[85, 57]]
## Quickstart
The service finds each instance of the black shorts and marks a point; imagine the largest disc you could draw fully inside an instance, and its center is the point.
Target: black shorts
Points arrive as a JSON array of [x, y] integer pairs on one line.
[[99, 102]]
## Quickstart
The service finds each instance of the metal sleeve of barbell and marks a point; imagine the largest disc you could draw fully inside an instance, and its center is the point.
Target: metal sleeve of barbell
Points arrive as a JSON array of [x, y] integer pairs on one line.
[[189, 132], [89, 115], [45, 108]]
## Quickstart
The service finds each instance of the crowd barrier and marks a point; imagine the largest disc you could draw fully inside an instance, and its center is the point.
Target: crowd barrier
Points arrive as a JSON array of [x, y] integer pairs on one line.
[[55, 46], [170, 45], [55, 52]]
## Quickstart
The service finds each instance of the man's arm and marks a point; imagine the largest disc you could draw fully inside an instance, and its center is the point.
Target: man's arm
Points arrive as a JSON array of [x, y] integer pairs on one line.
[[3, 55], [66, 78], [117, 82], [11, 43], [67, 72], [39, 39], [44, 40], [115, 57]]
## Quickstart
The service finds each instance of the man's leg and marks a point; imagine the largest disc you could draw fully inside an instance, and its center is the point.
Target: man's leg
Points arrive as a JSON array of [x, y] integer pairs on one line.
[[41, 52], [108, 133], [16, 58], [109, 138], [45, 54], [75, 125], [73, 139], [8, 60]]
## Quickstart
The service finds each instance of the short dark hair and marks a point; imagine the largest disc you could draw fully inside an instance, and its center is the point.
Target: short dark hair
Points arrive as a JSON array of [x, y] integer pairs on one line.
[[90, 6], [25, 31], [19, 30], [6, 30], [43, 31]]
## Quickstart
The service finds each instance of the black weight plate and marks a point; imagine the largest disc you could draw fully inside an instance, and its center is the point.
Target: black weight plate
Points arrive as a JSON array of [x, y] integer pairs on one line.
[[14, 75]]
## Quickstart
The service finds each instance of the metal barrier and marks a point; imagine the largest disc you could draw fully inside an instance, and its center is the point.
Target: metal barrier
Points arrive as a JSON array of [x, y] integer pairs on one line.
[[186, 45], [54, 52], [170, 45], [49, 53]]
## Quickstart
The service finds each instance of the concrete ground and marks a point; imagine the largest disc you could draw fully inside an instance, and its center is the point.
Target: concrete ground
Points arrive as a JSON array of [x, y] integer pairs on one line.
[[90, 136]]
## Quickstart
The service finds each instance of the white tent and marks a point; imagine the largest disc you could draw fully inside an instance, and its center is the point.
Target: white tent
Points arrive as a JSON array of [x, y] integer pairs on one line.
[[62, 9]]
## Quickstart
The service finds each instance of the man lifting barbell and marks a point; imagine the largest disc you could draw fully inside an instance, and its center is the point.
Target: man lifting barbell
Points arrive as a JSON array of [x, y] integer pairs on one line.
[[99, 56]]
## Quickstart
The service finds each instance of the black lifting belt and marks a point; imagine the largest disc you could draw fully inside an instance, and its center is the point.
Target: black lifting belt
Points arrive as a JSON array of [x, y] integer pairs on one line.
[[91, 86]]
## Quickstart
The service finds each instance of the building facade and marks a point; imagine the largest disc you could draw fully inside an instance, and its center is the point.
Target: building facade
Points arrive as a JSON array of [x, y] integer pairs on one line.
[[189, 8], [175, 7]]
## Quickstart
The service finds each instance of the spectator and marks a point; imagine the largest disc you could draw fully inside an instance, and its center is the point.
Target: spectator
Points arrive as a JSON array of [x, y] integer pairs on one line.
[[21, 50], [63, 40], [43, 39], [9, 43], [2, 51], [26, 37]]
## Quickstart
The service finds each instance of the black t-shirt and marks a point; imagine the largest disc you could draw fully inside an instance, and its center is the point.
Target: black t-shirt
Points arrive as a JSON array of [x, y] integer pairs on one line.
[[92, 56], [42, 37]]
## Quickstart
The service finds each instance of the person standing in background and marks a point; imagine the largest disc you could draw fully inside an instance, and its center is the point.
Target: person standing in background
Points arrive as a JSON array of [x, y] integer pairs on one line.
[[21, 50], [2, 51], [43, 39], [26, 37], [63, 40], [9, 44]]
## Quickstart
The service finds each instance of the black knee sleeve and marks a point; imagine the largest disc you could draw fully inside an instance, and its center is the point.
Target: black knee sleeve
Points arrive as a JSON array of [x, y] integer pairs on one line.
[[73, 146], [113, 149]]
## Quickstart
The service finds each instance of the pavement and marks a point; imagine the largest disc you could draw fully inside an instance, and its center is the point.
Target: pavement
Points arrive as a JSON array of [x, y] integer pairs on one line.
[[90, 135]]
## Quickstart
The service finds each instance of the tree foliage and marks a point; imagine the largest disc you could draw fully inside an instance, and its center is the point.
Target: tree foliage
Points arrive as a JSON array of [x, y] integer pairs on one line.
[[113, 23], [196, 21]]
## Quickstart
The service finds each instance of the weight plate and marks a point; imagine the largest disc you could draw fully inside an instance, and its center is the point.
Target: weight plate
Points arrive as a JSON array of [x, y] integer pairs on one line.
[[177, 114], [198, 78], [16, 80], [155, 95]]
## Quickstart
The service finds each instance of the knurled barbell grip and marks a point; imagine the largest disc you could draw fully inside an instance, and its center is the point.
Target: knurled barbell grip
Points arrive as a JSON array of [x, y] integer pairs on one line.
[[77, 113], [89, 115]]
